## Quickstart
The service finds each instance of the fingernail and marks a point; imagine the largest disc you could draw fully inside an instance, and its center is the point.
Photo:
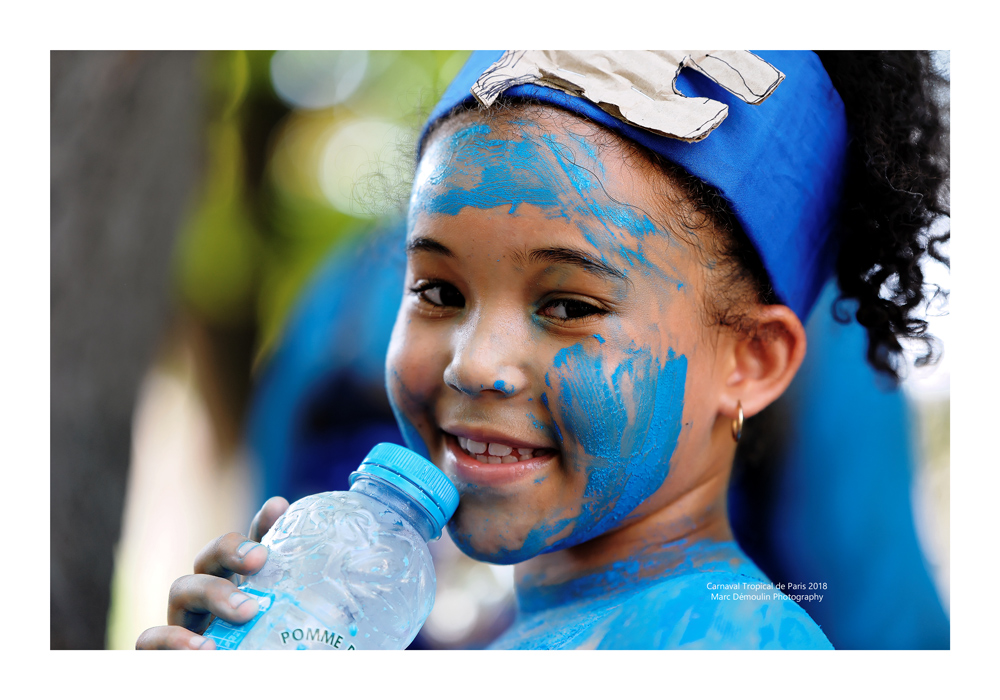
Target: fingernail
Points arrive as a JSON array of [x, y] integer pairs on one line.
[[238, 598], [197, 642], [246, 547]]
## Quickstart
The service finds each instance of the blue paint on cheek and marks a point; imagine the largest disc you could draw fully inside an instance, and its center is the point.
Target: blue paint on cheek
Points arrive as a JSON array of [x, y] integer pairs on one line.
[[539, 425], [626, 421], [599, 338]]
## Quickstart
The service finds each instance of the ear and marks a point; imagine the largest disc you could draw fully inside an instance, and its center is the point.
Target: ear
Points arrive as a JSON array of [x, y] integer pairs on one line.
[[763, 364]]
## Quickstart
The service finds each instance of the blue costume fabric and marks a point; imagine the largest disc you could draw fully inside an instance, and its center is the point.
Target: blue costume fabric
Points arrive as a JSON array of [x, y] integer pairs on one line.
[[779, 164]]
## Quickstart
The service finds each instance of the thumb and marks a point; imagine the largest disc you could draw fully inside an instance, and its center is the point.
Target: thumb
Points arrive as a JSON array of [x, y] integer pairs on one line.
[[272, 509]]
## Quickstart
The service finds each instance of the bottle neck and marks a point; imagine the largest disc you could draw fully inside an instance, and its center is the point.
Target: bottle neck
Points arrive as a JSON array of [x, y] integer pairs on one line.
[[390, 496]]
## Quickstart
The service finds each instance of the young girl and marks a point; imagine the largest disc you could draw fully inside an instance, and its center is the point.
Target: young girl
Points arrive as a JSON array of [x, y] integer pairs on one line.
[[599, 289]]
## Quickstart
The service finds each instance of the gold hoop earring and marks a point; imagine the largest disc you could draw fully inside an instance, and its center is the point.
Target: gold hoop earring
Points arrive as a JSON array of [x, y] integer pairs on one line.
[[738, 422]]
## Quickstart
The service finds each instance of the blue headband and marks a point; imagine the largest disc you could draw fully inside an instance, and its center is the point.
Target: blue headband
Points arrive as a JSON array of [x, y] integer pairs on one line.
[[779, 164]]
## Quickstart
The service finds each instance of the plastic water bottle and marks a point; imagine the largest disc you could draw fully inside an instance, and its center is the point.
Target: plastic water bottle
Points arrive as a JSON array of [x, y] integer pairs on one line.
[[350, 569]]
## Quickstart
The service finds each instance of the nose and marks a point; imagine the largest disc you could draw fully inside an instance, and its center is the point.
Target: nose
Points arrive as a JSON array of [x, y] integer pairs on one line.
[[487, 358]]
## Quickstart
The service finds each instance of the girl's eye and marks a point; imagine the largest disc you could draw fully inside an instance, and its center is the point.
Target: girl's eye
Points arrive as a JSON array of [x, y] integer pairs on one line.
[[568, 309], [439, 294]]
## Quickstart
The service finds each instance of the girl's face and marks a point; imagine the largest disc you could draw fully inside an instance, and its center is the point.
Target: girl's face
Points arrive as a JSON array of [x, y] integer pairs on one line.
[[549, 343]]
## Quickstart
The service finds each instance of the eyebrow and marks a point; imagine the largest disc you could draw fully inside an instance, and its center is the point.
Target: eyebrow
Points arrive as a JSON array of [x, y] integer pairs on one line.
[[428, 245], [555, 255], [577, 258]]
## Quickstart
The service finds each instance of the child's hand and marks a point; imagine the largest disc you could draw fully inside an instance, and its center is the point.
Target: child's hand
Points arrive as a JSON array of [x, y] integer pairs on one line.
[[210, 591]]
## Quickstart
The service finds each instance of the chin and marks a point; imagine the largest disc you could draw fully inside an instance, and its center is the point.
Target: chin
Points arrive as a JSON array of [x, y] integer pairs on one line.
[[500, 548]]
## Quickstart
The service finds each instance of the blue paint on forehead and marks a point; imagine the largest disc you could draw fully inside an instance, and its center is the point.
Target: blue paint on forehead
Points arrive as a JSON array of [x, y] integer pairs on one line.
[[482, 171], [509, 175]]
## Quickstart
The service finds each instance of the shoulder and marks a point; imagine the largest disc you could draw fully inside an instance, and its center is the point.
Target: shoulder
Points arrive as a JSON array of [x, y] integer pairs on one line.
[[711, 611]]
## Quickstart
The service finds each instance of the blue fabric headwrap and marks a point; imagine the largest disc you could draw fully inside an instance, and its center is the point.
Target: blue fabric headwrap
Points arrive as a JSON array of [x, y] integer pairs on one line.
[[779, 164]]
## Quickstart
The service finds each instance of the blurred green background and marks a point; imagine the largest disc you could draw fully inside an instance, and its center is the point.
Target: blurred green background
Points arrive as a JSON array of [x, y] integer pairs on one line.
[[193, 194]]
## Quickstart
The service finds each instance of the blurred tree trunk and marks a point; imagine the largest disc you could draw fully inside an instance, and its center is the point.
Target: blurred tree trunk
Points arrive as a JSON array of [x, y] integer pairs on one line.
[[125, 138]]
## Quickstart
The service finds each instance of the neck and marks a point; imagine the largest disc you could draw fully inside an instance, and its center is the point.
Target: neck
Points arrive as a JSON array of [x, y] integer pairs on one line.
[[690, 533]]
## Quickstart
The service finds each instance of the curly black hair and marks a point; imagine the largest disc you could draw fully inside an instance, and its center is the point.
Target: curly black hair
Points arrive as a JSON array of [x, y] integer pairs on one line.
[[896, 191], [897, 188]]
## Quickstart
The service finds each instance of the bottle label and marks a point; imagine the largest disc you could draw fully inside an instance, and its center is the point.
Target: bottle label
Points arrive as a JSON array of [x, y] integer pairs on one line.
[[293, 628], [229, 636], [300, 637]]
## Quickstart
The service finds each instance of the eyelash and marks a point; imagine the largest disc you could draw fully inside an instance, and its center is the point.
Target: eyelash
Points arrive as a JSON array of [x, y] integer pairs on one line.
[[422, 289]]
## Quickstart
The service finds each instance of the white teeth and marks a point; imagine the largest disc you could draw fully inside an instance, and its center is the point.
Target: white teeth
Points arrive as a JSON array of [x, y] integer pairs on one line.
[[495, 452]]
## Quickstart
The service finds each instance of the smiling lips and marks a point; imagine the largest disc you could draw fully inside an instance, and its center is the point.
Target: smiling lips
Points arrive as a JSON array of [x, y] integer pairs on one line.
[[496, 464], [498, 453]]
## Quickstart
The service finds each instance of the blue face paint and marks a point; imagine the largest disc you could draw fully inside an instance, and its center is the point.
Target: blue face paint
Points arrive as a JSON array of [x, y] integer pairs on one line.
[[540, 171], [627, 438], [615, 410]]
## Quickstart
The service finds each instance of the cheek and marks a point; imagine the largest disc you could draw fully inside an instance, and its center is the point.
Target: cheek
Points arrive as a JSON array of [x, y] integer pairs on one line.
[[406, 378], [620, 415]]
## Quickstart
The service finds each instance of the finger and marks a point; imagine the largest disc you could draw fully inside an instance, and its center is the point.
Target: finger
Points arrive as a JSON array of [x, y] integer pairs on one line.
[[272, 509], [230, 554], [194, 599], [172, 638]]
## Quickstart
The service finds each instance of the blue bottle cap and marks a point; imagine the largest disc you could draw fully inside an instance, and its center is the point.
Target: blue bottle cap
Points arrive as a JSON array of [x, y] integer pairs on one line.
[[415, 476]]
